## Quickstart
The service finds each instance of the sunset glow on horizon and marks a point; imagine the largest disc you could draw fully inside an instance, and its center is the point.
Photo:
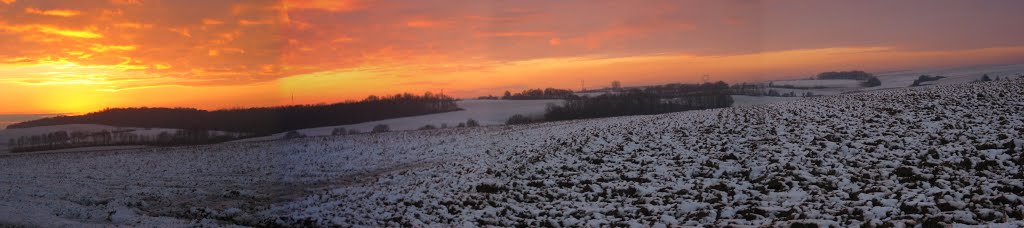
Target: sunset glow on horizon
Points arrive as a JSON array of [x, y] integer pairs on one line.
[[83, 56]]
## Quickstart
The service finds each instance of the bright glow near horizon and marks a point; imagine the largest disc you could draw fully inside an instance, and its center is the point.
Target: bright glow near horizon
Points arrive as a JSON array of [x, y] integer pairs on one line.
[[81, 56]]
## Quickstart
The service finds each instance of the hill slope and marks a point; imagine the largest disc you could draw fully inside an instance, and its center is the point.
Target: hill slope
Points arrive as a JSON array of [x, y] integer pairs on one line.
[[936, 154]]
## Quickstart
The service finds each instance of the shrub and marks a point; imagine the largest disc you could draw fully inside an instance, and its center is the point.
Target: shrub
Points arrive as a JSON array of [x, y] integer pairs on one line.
[[871, 82], [490, 188], [518, 119], [925, 78], [904, 171], [381, 128], [427, 127], [472, 123], [293, 135], [339, 131], [354, 131]]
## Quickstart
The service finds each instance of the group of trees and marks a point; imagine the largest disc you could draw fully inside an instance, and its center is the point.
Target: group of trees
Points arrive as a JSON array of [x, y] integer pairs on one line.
[[652, 100], [293, 135], [985, 78], [694, 96], [469, 123], [262, 121], [538, 94], [774, 93], [686, 90], [869, 80], [380, 128], [520, 119], [648, 100], [75, 139], [925, 78], [488, 97], [343, 131], [755, 89], [376, 129], [534, 94]]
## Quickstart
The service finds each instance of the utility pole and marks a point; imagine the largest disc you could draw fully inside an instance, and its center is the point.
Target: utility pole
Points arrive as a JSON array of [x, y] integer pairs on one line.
[[293, 97], [583, 86]]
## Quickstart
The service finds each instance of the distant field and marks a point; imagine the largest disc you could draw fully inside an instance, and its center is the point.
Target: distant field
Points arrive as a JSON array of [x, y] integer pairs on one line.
[[956, 75], [8, 119], [486, 112], [833, 83]]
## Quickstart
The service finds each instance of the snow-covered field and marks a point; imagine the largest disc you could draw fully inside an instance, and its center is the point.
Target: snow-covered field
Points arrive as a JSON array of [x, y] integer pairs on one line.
[[486, 112], [954, 75], [890, 80], [743, 100], [924, 155]]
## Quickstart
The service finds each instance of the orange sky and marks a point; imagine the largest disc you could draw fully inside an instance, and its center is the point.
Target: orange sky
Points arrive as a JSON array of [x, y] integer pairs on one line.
[[81, 56]]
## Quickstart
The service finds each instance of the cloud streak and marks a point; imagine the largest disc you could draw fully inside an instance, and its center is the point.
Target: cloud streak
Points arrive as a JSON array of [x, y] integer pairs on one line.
[[54, 12]]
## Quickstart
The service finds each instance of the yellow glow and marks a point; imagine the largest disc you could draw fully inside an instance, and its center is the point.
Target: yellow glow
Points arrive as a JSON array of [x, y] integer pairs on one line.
[[328, 87], [69, 33], [73, 100], [104, 48], [56, 12]]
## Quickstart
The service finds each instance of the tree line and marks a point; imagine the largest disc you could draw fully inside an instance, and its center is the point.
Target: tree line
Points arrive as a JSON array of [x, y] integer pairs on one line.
[[650, 100], [265, 120], [539, 94], [869, 80], [74, 139], [755, 89]]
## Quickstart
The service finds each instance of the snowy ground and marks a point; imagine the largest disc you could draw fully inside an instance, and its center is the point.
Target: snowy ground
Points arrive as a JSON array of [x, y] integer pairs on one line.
[[924, 155], [890, 80], [742, 100]]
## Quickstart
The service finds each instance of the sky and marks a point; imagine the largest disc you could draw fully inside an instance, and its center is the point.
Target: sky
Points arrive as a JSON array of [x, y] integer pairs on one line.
[[81, 56]]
